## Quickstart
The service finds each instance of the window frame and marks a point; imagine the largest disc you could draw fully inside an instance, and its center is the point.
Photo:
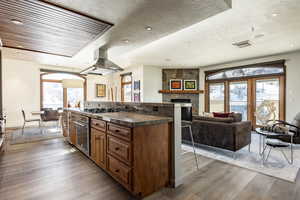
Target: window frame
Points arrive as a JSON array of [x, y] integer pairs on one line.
[[123, 83], [273, 64], [251, 87], [65, 103]]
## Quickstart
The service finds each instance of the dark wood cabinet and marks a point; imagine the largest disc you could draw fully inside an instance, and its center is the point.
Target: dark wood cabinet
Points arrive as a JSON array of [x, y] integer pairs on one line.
[[120, 149], [98, 147], [138, 158], [119, 171]]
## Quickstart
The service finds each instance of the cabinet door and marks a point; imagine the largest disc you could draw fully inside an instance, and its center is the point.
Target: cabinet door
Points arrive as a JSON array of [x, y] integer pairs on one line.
[[98, 147], [72, 133]]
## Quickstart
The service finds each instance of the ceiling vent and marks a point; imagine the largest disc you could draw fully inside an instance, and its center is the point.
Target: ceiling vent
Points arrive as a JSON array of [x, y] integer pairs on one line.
[[242, 44]]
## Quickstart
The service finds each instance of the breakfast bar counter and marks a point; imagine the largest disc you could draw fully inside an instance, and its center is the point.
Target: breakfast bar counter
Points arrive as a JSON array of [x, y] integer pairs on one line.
[[134, 148], [128, 119]]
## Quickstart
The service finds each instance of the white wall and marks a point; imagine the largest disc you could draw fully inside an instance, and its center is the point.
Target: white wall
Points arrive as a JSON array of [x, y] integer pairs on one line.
[[150, 80], [292, 82], [152, 83], [92, 80], [114, 80], [21, 89]]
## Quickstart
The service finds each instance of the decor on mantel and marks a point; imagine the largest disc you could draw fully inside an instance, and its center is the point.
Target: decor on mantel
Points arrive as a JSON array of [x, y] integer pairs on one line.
[[181, 91], [190, 85], [181, 74], [100, 90], [175, 84]]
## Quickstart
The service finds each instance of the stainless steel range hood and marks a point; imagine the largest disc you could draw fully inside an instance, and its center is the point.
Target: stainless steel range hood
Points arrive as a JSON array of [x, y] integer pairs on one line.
[[103, 66]]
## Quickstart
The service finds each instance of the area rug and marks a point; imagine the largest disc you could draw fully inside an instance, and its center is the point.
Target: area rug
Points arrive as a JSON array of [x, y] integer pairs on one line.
[[34, 134], [276, 165]]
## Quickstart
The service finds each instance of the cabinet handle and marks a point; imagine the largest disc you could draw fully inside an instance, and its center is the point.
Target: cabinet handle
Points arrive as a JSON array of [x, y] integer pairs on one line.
[[117, 170], [117, 148], [117, 131]]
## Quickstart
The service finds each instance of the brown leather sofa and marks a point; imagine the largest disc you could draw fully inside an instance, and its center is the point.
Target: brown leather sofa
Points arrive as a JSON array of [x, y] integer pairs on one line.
[[226, 133]]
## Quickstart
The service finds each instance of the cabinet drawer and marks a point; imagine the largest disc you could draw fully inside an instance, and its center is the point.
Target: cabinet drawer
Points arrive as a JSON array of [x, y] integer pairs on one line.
[[119, 171], [119, 149], [119, 131], [98, 124]]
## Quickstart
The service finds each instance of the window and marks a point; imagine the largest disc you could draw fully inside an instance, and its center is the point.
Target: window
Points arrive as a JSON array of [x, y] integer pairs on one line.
[[75, 96], [268, 90], [243, 89], [238, 95], [126, 87], [216, 97], [54, 93], [245, 72]]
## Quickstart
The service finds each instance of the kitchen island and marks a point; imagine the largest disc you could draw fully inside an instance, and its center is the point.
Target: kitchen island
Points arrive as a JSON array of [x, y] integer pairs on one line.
[[135, 149]]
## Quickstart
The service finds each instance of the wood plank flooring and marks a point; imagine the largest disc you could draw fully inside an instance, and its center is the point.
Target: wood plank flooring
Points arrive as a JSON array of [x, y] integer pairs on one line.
[[52, 169]]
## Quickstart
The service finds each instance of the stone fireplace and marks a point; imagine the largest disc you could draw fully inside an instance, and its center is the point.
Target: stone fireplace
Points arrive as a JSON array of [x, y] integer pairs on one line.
[[183, 74]]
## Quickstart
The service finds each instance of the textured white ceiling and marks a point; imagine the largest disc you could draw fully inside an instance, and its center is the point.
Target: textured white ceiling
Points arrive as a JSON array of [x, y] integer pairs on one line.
[[210, 41], [185, 33], [130, 18]]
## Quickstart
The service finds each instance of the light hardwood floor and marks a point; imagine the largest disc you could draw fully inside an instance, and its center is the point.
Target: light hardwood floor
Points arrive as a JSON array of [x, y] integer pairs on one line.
[[53, 170]]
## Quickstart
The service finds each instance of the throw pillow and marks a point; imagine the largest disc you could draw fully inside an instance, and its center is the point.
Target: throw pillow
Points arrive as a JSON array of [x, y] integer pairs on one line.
[[221, 115], [207, 114]]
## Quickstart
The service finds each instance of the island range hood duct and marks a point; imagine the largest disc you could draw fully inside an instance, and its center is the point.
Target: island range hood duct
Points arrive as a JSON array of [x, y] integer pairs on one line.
[[103, 66]]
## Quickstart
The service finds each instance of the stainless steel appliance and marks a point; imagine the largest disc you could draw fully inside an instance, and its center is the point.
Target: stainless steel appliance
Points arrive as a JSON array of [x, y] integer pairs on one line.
[[83, 134], [103, 66]]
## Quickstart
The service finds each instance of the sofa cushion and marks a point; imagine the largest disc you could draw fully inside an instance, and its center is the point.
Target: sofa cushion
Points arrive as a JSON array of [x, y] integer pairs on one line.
[[214, 119], [237, 117]]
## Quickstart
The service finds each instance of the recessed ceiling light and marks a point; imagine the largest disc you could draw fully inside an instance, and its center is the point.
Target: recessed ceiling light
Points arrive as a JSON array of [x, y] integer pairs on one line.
[[19, 46], [292, 45], [274, 14], [126, 41], [148, 28], [17, 22]]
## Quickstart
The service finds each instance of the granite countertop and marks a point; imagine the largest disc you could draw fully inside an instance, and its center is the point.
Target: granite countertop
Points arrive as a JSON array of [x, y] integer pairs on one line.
[[129, 119]]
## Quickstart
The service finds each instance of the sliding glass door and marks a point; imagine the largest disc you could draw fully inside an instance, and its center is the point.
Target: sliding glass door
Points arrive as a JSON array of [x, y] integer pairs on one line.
[[245, 89], [267, 90], [217, 97], [238, 98]]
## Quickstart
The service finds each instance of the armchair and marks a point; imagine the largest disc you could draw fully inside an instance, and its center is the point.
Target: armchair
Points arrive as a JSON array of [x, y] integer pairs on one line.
[[286, 138], [293, 128]]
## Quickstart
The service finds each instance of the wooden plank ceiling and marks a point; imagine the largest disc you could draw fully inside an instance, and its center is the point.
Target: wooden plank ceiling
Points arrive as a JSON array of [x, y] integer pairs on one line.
[[47, 28]]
